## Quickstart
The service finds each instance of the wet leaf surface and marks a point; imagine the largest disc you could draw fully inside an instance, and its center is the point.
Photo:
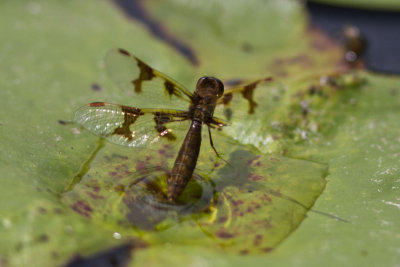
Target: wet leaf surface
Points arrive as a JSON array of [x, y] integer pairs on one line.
[[246, 206], [314, 127]]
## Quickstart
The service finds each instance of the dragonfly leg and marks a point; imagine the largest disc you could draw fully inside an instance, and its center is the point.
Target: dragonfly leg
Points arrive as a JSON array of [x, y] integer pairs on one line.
[[212, 143], [213, 147]]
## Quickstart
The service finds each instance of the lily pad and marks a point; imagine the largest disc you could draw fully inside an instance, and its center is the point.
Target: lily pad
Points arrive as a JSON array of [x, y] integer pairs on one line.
[[67, 194], [247, 206]]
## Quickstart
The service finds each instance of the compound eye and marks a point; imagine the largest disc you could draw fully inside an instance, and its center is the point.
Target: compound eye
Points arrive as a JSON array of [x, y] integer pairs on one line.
[[212, 83], [220, 87], [202, 82]]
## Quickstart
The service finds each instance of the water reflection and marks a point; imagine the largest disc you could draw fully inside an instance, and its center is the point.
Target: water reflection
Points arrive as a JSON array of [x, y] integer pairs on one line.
[[240, 206], [148, 205]]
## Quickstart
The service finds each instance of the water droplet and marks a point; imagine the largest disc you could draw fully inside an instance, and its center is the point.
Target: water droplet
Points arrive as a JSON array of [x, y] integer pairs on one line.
[[117, 235]]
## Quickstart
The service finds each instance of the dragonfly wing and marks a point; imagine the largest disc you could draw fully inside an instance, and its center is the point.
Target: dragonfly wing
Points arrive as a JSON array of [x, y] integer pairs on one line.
[[130, 126], [157, 89], [247, 92], [218, 123]]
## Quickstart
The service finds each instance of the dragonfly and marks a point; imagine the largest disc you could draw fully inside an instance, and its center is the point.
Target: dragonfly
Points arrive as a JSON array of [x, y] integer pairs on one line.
[[158, 118]]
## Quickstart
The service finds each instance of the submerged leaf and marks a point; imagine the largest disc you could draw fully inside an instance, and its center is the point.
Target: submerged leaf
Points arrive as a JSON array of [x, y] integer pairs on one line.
[[247, 206]]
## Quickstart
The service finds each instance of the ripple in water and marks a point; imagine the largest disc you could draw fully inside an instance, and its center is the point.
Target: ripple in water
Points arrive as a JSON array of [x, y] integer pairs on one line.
[[148, 205]]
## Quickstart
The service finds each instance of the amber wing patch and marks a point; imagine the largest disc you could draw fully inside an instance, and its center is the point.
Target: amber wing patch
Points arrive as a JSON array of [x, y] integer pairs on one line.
[[246, 91], [132, 74], [130, 126]]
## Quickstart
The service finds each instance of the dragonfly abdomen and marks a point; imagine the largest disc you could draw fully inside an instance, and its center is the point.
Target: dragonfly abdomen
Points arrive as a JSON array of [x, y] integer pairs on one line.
[[185, 162]]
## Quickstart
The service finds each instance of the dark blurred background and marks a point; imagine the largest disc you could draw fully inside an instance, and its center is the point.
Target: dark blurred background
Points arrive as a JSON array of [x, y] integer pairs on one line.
[[380, 29]]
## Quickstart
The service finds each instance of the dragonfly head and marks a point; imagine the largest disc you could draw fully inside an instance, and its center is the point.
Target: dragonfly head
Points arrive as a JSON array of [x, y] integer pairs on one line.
[[210, 87]]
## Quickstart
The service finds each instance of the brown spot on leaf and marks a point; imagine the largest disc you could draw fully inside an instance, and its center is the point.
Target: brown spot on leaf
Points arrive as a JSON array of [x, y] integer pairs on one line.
[[141, 166], [258, 164], [274, 159], [255, 177], [222, 233], [114, 155], [237, 202], [266, 197], [82, 208], [247, 47], [222, 219], [42, 238], [96, 188], [257, 240], [58, 211], [244, 252], [121, 167], [95, 87], [42, 210], [267, 249], [94, 195], [253, 160]]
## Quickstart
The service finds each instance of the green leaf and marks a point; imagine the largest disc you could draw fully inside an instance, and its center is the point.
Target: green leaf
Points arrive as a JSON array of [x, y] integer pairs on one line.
[[331, 144], [248, 206]]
